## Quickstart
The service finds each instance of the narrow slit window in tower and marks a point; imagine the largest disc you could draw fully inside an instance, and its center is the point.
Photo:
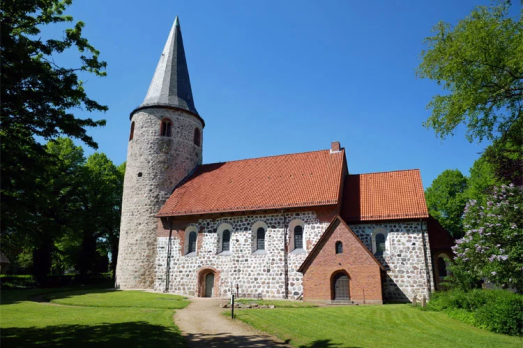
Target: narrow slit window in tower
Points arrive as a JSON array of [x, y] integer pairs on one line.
[[165, 128], [132, 131], [196, 137]]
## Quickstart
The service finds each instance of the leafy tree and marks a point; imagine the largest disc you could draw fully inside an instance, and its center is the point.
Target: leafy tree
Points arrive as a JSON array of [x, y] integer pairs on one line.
[[481, 180], [446, 200], [38, 100], [492, 247], [101, 207], [58, 209], [478, 63]]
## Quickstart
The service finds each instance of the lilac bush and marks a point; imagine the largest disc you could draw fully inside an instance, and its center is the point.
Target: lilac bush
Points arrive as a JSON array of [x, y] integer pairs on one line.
[[492, 247]]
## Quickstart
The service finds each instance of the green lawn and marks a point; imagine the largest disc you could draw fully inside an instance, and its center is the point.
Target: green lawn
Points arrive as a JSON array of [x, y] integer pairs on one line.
[[278, 303], [89, 317], [372, 326]]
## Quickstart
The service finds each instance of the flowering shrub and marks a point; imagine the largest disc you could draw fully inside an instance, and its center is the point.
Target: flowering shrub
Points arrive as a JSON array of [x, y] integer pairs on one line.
[[492, 247]]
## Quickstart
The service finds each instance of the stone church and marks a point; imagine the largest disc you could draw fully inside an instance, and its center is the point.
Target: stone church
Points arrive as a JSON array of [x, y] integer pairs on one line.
[[296, 226]]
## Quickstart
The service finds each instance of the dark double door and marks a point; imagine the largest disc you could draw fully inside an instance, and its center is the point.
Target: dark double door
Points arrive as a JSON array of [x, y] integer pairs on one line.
[[341, 287]]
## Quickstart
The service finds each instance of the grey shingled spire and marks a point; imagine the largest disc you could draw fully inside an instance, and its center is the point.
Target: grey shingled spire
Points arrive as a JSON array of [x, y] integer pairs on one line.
[[171, 86]]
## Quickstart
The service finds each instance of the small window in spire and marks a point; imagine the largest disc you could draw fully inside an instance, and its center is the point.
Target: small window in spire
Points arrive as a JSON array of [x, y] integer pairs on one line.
[[132, 131], [165, 128], [196, 137]]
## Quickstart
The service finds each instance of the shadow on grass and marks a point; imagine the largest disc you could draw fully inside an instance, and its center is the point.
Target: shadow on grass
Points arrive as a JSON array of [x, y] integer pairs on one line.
[[133, 334], [325, 344], [13, 296], [63, 294], [220, 340]]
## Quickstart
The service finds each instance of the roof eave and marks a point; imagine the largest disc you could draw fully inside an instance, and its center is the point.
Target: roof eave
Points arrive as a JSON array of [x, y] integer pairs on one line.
[[169, 107]]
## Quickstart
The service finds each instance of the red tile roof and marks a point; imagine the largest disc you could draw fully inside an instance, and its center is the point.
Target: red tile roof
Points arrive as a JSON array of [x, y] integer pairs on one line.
[[384, 196], [295, 180]]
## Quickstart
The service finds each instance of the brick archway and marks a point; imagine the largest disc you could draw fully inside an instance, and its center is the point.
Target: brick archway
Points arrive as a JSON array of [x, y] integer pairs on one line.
[[334, 277], [202, 274]]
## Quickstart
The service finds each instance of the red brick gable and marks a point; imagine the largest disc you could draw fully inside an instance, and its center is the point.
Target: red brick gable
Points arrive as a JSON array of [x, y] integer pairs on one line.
[[384, 196], [355, 261], [336, 221], [296, 180]]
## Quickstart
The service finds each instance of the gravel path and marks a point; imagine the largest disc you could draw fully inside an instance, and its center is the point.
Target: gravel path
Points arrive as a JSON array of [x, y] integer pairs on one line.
[[204, 326]]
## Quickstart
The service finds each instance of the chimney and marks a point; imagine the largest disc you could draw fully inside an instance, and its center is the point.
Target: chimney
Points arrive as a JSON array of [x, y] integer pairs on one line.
[[335, 147]]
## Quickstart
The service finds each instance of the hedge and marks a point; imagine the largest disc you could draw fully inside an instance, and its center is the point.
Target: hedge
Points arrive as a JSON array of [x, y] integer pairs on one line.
[[499, 311]]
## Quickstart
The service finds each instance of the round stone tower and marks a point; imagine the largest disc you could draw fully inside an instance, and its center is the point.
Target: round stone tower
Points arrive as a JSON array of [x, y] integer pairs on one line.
[[165, 146]]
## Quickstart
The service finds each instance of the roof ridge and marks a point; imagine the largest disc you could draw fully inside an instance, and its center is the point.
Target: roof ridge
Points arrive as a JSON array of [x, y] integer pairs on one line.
[[254, 158], [388, 171]]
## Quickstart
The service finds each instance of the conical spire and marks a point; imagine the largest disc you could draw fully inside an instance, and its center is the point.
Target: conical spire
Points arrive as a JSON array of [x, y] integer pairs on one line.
[[171, 85]]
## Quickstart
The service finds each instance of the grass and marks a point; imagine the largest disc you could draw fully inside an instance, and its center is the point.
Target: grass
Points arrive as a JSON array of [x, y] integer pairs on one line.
[[109, 298], [278, 303], [372, 326], [89, 317]]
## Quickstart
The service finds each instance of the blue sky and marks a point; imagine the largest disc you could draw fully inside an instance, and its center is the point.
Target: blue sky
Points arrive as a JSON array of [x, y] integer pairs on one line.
[[276, 77]]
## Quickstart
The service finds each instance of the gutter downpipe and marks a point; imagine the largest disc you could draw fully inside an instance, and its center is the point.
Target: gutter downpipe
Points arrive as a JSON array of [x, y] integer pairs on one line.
[[168, 265], [285, 256], [427, 272]]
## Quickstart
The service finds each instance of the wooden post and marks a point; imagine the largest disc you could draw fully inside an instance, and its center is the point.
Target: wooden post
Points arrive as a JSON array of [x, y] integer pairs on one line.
[[414, 301], [232, 307], [423, 301]]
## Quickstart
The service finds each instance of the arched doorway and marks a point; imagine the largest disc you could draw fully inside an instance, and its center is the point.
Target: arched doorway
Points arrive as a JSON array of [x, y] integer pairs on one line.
[[209, 285], [340, 287]]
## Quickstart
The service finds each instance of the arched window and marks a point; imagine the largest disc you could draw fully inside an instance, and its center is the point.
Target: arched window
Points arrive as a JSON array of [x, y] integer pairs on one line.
[[260, 238], [132, 131], [442, 268], [166, 128], [339, 248], [226, 240], [298, 237], [192, 242], [196, 138], [380, 244], [223, 240]]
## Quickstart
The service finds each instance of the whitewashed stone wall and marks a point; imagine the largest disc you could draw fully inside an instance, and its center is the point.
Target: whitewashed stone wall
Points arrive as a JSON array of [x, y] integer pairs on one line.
[[155, 165], [407, 261], [254, 273]]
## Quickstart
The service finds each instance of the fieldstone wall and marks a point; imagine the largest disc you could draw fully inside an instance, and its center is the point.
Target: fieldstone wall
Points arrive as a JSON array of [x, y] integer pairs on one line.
[[407, 260], [155, 165], [255, 273]]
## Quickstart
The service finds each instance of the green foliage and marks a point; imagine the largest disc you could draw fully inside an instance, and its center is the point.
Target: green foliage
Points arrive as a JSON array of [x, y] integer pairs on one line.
[[478, 63], [39, 99], [492, 247], [77, 222], [16, 281], [503, 315], [499, 311], [446, 200], [481, 180]]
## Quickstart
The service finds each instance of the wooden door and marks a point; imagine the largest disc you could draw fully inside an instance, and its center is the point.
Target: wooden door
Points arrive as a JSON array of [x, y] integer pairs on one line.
[[209, 284], [341, 287]]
